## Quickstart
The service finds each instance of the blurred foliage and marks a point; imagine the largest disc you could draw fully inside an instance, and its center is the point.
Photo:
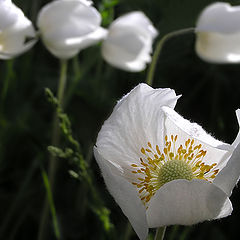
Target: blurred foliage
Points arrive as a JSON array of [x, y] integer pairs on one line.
[[210, 96]]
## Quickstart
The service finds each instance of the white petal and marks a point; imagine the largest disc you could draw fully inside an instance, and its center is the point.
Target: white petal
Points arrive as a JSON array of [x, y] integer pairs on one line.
[[175, 124], [9, 14], [13, 39], [125, 195], [237, 140], [128, 44], [219, 18], [67, 19], [136, 20], [136, 119], [86, 2], [218, 33], [192, 129], [24, 48], [187, 202], [131, 55], [65, 23], [217, 151], [67, 48], [218, 47], [229, 176]]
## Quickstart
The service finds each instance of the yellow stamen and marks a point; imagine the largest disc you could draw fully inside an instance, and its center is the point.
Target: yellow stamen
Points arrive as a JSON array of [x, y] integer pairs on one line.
[[175, 162]]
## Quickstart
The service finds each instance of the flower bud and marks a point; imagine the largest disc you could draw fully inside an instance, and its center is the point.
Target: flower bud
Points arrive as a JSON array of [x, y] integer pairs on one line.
[[16, 31], [68, 26], [218, 33], [128, 44]]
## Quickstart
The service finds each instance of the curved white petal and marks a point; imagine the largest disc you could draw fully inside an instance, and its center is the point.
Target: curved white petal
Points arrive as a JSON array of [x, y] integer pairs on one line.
[[135, 120], [69, 47], [24, 48], [9, 14], [128, 44], [237, 140], [217, 151], [219, 17], [230, 174], [67, 26], [86, 2], [218, 47], [127, 50], [125, 195], [186, 203], [192, 129], [136, 20]]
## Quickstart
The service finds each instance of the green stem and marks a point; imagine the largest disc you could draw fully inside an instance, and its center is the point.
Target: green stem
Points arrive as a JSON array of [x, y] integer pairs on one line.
[[151, 71], [160, 233], [53, 164], [56, 131], [62, 80], [51, 203], [7, 79]]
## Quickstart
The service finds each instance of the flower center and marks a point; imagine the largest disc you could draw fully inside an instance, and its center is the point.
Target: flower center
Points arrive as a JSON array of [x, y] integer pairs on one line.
[[174, 169], [159, 167]]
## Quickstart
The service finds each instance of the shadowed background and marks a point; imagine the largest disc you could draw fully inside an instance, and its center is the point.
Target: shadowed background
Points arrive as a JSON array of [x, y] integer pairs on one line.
[[210, 96]]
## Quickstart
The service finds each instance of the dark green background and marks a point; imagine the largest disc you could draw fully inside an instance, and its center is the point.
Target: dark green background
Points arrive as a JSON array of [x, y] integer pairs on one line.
[[210, 96]]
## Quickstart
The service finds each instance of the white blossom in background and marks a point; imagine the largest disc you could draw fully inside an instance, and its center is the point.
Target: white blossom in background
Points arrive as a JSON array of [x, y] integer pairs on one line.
[[68, 26], [218, 33], [162, 169], [16, 31], [128, 44]]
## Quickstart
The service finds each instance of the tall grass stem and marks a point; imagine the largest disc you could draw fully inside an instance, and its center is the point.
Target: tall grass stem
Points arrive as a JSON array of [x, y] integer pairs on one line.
[[53, 163]]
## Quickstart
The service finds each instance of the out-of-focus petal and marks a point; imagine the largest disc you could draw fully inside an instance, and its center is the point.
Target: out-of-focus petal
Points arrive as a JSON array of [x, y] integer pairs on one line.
[[67, 26], [71, 46], [219, 17], [218, 47], [17, 33], [125, 195], [9, 14], [128, 44], [186, 203], [218, 33], [138, 21]]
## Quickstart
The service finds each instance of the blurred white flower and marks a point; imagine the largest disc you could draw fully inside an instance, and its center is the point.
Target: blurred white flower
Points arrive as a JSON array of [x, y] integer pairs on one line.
[[128, 44], [68, 26], [16, 31], [160, 168], [218, 33]]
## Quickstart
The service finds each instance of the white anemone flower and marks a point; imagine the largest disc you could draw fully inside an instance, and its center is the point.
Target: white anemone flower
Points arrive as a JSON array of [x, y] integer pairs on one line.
[[16, 31], [218, 33], [68, 26], [162, 169], [128, 44]]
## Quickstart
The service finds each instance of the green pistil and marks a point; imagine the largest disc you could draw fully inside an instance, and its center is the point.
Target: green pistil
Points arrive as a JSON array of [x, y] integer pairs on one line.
[[174, 169]]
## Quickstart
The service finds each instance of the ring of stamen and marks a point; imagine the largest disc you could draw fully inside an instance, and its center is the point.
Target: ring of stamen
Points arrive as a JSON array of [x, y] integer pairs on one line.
[[159, 167]]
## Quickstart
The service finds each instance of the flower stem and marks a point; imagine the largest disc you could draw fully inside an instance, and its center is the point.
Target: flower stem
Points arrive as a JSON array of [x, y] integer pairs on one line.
[[160, 233], [151, 71], [53, 164]]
